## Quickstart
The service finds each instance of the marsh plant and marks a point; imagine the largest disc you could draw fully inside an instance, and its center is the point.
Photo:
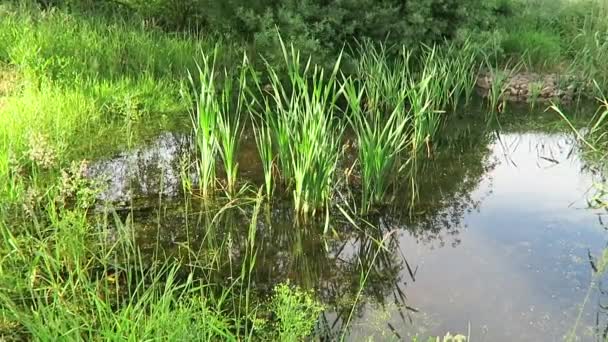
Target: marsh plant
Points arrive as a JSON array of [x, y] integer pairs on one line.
[[204, 116], [425, 119], [385, 78], [496, 98], [381, 138], [534, 92], [399, 101], [596, 137], [460, 69], [306, 132], [499, 84], [263, 139], [216, 119], [425, 87], [230, 125]]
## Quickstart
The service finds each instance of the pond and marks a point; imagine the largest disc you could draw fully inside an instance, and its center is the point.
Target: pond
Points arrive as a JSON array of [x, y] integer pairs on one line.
[[498, 243]]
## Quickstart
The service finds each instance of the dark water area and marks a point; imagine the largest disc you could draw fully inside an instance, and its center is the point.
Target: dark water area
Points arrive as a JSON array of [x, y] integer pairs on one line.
[[497, 243]]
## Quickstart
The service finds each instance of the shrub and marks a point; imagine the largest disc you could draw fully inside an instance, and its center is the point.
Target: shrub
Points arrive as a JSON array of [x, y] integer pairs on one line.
[[317, 27]]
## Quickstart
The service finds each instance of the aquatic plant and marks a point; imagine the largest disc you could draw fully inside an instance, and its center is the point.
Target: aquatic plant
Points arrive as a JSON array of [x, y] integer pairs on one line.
[[381, 138], [596, 138], [229, 125], [375, 244], [204, 117], [296, 310], [462, 64], [216, 118], [385, 78], [435, 80], [453, 70], [263, 139], [594, 141], [599, 128], [496, 100], [426, 119], [305, 130]]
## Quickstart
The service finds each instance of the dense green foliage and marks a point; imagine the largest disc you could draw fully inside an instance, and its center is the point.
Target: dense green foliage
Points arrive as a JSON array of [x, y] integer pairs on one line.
[[562, 35], [83, 78], [317, 27]]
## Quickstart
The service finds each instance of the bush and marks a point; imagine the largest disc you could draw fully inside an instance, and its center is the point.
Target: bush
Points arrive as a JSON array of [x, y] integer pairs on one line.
[[320, 27]]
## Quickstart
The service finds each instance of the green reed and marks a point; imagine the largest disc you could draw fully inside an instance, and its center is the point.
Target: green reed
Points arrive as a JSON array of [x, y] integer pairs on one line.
[[463, 65], [229, 125], [216, 119], [381, 138], [385, 78], [263, 139], [301, 115], [204, 117], [423, 95]]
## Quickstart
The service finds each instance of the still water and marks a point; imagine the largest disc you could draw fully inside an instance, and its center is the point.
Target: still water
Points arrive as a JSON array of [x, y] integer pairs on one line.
[[498, 245], [515, 267]]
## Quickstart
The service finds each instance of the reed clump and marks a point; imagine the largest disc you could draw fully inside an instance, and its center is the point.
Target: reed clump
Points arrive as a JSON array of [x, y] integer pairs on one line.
[[306, 133]]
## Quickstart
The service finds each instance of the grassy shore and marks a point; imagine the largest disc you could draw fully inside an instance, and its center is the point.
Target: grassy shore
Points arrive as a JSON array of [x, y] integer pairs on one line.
[[75, 86]]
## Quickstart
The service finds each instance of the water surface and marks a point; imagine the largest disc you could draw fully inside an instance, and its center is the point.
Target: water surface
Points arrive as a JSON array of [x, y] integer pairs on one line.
[[498, 241]]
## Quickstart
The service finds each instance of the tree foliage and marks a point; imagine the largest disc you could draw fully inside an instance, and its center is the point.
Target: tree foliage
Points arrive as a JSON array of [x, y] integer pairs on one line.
[[319, 27]]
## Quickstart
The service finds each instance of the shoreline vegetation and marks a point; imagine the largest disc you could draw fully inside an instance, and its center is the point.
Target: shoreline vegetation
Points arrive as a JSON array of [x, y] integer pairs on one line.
[[80, 80]]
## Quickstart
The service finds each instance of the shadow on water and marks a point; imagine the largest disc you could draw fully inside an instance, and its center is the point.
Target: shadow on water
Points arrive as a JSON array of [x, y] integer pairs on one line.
[[495, 206]]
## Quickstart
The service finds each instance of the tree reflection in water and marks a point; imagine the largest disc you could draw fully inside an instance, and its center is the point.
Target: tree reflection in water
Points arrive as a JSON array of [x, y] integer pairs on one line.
[[335, 264]]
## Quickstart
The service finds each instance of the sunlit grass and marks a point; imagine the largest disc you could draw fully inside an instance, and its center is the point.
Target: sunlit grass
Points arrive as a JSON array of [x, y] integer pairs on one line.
[[305, 130], [381, 138], [204, 115]]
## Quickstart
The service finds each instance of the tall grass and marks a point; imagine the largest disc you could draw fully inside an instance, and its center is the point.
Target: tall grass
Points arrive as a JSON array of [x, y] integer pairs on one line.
[[230, 126], [204, 116], [385, 75], [301, 115], [68, 276], [400, 99], [263, 139], [381, 137]]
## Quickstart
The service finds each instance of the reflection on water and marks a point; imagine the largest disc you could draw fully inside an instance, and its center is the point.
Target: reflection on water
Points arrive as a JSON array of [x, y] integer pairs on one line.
[[499, 240], [520, 270], [143, 172]]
